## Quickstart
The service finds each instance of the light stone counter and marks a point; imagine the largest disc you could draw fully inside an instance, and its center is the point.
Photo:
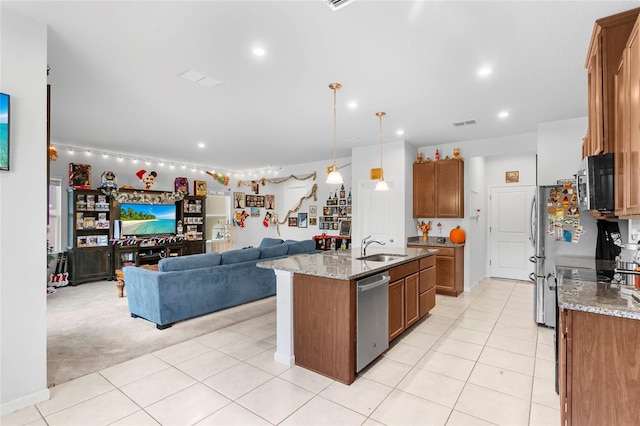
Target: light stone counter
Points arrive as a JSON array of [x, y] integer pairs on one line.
[[584, 285], [343, 264], [336, 264]]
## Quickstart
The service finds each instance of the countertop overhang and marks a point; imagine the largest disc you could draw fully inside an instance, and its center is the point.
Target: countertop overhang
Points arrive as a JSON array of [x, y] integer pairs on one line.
[[343, 264], [584, 284]]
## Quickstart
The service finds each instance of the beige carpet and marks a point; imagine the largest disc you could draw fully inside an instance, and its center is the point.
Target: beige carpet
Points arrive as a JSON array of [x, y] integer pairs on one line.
[[89, 328]]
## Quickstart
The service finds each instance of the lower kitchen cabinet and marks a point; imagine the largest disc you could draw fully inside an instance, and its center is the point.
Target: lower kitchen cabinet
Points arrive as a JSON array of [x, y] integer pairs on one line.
[[449, 269], [599, 369], [89, 264], [411, 294]]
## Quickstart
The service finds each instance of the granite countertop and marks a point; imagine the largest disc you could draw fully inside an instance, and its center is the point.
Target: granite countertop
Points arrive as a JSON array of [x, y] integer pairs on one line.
[[433, 242], [343, 264], [585, 284]]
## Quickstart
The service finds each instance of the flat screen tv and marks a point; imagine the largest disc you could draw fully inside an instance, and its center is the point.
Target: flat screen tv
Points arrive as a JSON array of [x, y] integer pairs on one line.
[[4, 131], [147, 219]]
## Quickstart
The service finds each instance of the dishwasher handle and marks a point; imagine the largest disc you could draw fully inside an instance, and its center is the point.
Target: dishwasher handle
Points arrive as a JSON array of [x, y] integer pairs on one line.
[[384, 280]]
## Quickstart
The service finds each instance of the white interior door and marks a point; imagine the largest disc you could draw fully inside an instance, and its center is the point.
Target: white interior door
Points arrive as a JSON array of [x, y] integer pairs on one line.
[[509, 232]]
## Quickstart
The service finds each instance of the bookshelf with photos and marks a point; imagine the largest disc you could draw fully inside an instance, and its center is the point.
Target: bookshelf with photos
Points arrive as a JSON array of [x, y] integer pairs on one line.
[[335, 221], [192, 220], [89, 230]]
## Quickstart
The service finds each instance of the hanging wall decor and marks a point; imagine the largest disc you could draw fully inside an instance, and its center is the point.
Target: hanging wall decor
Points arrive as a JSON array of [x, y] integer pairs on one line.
[[287, 219], [263, 181], [222, 179]]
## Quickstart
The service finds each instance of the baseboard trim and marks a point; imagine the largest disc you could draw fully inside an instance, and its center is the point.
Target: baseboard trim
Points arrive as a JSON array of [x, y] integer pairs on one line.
[[283, 359], [24, 402]]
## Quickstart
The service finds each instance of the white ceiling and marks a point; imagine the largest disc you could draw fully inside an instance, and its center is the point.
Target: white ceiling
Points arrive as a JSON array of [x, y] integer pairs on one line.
[[115, 66]]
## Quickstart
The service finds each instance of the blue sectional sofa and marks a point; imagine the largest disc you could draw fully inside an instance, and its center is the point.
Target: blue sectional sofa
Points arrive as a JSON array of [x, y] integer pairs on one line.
[[188, 286]]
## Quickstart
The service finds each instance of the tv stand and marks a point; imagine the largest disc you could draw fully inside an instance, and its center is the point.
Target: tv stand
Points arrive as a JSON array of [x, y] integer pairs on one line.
[[146, 251]]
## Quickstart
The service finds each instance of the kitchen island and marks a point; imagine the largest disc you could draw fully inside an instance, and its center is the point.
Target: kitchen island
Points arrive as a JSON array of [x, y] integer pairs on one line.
[[598, 338], [316, 303]]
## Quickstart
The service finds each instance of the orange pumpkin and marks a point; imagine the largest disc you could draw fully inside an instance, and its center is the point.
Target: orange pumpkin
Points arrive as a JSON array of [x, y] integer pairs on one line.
[[457, 235]]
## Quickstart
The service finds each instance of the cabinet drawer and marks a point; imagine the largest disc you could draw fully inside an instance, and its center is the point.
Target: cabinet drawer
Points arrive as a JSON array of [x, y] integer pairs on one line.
[[427, 301], [427, 262], [427, 279], [444, 251], [402, 271]]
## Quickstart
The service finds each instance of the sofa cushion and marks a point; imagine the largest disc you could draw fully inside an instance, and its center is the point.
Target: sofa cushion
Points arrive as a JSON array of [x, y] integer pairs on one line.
[[297, 247], [274, 251], [181, 263], [241, 255], [270, 242]]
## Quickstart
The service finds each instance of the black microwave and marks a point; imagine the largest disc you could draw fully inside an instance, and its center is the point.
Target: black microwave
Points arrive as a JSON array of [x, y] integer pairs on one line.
[[596, 183]]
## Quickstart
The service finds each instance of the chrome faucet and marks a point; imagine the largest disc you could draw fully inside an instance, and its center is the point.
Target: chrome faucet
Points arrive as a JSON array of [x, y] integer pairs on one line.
[[366, 244]]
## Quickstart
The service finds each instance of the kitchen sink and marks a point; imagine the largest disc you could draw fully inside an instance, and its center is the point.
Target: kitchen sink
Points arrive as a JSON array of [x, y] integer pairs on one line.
[[382, 257]]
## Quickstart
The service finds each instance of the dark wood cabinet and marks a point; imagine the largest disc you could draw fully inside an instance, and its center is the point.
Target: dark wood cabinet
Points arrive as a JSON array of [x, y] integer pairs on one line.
[[438, 189], [89, 229], [598, 369], [427, 285], [396, 309]]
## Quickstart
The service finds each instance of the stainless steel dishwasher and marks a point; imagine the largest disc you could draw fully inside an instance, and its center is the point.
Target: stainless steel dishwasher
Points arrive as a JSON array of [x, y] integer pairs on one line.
[[372, 327]]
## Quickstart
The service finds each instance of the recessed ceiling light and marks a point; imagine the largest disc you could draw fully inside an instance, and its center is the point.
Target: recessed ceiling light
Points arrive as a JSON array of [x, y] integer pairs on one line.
[[503, 114], [399, 132], [259, 51], [352, 104], [201, 145], [484, 71]]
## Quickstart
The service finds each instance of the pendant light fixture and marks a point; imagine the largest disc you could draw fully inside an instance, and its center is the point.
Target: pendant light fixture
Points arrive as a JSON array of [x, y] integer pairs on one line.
[[334, 177], [381, 185]]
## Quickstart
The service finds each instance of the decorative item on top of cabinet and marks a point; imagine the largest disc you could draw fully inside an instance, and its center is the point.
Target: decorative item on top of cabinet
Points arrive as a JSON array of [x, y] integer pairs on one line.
[[608, 41], [438, 189]]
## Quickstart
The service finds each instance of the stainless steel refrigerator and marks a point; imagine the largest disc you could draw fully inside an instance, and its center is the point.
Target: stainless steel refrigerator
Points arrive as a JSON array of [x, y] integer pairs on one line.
[[555, 221]]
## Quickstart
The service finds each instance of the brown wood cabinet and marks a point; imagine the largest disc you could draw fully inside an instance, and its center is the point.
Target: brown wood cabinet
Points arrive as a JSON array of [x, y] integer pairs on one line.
[[449, 269], [608, 40], [412, 294], [324, 326], [599, 378], [427, 285], [438, 189], [627, 122]]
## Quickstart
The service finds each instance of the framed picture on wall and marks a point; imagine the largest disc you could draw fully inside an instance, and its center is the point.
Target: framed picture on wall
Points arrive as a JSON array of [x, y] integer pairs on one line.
[[293, 221], [80, 176], [302, 220], [313, 211]]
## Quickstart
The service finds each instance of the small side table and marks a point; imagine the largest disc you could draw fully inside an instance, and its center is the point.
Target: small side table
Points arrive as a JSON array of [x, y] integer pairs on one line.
[[120, 277]]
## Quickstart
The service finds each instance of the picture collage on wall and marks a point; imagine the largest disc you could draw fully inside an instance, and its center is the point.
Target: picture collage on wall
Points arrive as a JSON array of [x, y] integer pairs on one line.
[[336, 210]]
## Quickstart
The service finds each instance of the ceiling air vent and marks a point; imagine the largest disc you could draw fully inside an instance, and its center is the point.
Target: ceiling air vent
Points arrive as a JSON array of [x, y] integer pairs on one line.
[[337, 4], [465, 122]]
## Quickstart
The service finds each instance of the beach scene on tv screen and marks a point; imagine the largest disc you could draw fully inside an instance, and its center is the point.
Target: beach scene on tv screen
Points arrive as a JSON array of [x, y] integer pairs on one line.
[[145, 219], [4, 131]]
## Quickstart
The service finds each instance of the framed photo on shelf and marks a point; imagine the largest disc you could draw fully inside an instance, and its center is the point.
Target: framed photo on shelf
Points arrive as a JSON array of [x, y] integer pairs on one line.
[[200, 187], [345, 228], [302, 220]]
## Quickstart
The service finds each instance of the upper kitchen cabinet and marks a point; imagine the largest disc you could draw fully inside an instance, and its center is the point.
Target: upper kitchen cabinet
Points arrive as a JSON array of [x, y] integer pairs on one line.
[[438, 189], [627, 121], [608, 41]]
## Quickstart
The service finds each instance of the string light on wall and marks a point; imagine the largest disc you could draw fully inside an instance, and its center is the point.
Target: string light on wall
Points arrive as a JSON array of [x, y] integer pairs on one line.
[[148, 161]]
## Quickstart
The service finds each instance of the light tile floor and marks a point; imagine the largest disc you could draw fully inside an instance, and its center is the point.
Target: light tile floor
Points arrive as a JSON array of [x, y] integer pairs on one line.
[[478, 359]]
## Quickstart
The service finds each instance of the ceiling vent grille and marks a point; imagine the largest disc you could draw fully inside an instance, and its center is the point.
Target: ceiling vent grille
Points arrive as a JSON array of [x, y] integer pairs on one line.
[[465, 122], [337, 4]]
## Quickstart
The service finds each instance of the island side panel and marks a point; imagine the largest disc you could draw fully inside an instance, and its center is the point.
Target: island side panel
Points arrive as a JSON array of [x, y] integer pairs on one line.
[[324, 323]]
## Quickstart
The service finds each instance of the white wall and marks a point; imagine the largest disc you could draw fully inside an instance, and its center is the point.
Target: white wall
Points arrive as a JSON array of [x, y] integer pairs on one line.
[[397, 173], [23, 191]]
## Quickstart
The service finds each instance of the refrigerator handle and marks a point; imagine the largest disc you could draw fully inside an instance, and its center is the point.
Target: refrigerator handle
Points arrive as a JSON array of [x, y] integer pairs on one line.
[[551, 281], [532, 218]]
